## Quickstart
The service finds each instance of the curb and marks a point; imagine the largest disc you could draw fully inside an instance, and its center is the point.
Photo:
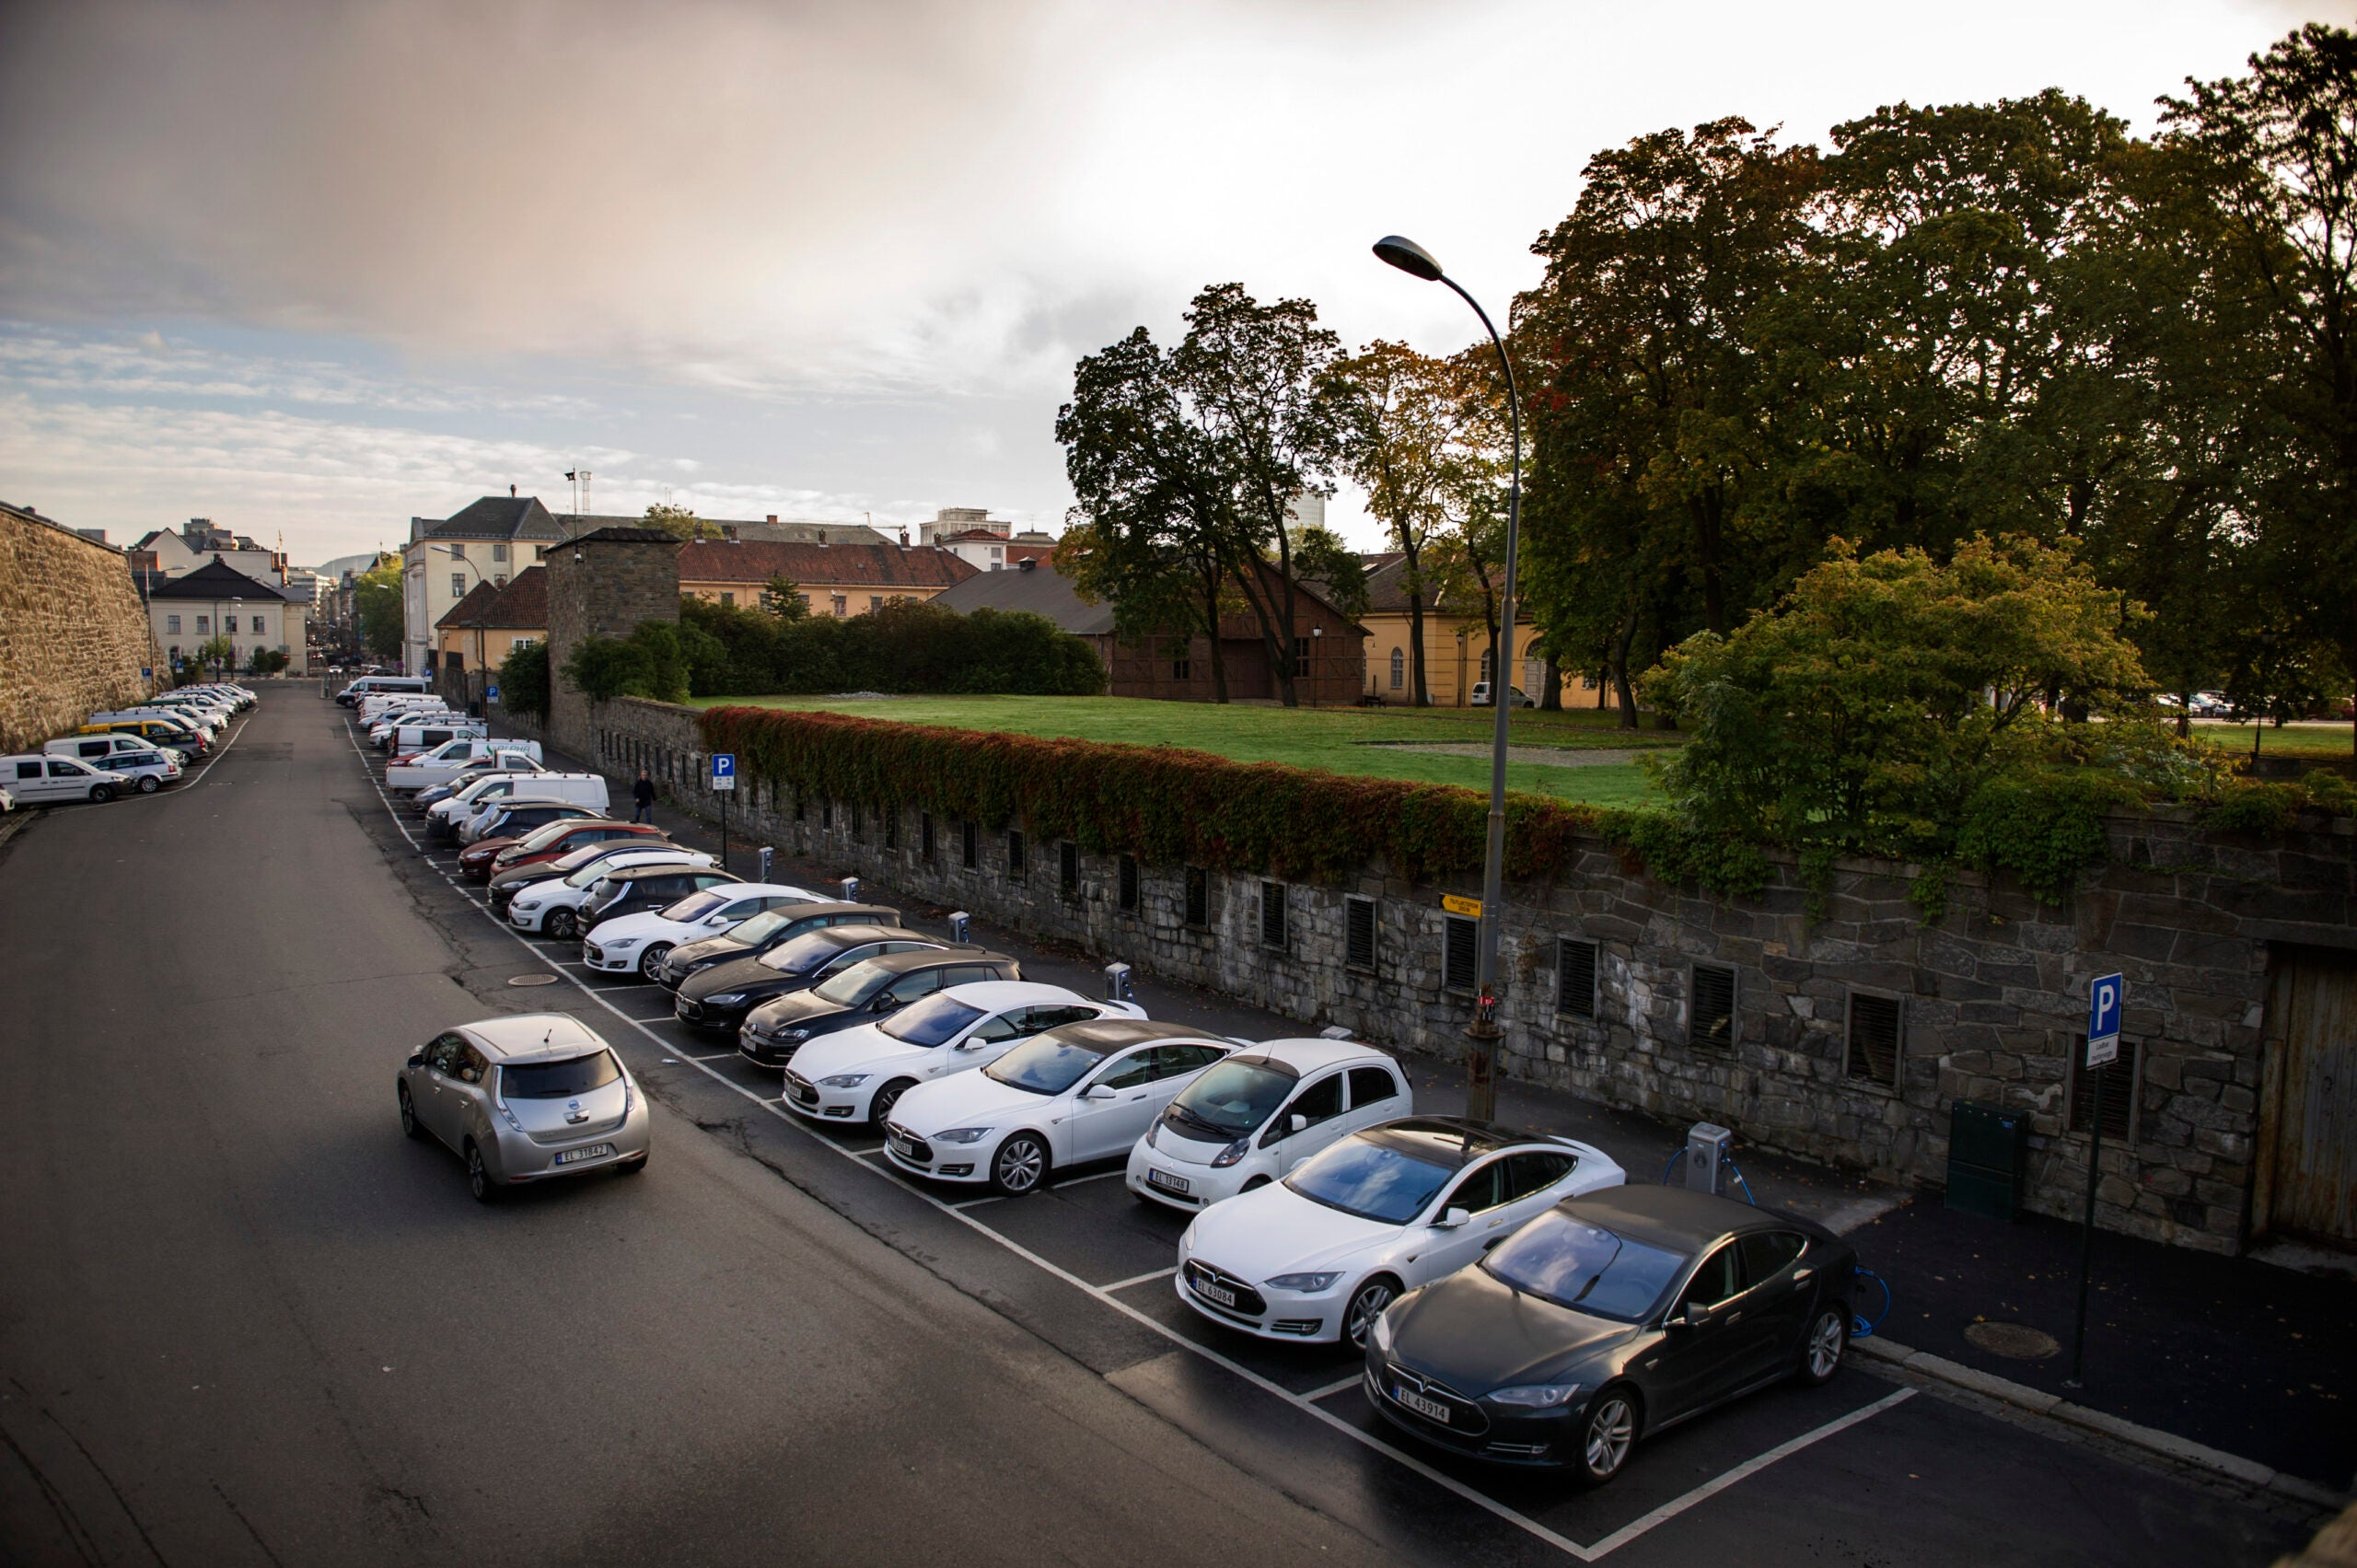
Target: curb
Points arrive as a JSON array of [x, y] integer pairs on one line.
[[2165, 1445]]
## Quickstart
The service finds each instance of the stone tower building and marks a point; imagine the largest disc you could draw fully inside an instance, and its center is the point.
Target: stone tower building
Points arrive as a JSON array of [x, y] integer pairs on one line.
[[602, 585]]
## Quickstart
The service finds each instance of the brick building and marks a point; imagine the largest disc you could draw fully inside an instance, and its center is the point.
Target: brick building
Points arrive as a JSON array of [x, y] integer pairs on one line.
[[834, 579]]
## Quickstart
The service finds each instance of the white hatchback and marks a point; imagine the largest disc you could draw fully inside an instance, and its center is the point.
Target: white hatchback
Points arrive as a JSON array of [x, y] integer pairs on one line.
[[1319, 1255], [642, 941], [1262, 1112], [531, 909], [860, 1073], [1083, 1092]]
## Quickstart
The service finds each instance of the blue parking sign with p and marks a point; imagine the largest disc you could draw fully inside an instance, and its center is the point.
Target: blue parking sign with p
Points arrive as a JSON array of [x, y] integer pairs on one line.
[[2106, 995], [724, 770]]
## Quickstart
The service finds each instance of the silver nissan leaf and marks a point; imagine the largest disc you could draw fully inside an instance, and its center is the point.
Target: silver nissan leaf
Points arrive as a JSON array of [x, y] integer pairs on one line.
[[525, 1100]]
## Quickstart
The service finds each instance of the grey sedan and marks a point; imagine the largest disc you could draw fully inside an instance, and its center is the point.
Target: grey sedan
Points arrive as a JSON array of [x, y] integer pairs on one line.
[[525, 1100]]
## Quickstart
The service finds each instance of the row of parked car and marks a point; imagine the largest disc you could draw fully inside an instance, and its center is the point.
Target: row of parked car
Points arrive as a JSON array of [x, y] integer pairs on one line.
[[1513, 1298], [135, 750]]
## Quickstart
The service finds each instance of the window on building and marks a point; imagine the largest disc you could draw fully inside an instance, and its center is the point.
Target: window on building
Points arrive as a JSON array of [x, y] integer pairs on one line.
[[1272, 914], [1068, 869], [540, 553], [1459, 952], [2119, 1091], [258, 627], [969, 844], [1182, 669], [1198, 898], [499, 551], [1300, 653], [1126, 878], [458, 552], [172, 624], [841, 606], [1712, 1020], [1014, 853], [1399, 667], [1878, 1032], [457, 584], [1358, 933], [1485, 665], [729, 599], [875, 603], [1575, 977], [230, 625]]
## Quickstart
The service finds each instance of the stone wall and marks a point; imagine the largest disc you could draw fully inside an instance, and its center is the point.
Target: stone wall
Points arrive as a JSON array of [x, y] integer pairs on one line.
[[73, 635], [602, 585], [1985, 1003]]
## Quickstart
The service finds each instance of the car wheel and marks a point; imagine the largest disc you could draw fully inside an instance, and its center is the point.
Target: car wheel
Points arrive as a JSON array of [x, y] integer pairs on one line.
[[101, 793], [149, 783], [1606, 1436], [1828, 1337], [1020, 1165], [561, 925], [478, 1180], [1367, 1305], [633, 1166], [887, 1097], [649, 959], [410, 1127], [1254, 1185]]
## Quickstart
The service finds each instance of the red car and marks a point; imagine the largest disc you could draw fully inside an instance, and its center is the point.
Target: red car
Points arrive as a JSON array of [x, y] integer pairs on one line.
[[485, 858]]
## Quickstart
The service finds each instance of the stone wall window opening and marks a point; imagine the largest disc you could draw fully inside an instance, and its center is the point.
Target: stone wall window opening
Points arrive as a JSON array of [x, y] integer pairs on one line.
[[1015, 854], [1575, 977], [858, 824], [801, 807], [891, 815], [2123, 1087], [827, 816], [970, 847], [1358, 934], [1709, 1018], [924, 836], [1877, 1036], [1198, 898], [1459, 953], [1125, 877], [1068, 871], [1272, 914]]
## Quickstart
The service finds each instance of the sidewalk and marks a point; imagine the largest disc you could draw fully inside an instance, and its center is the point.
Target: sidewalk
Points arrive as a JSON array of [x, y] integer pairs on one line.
[[2236, 1354]]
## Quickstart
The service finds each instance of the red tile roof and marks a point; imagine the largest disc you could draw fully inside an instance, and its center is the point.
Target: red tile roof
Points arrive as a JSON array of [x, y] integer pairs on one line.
[[821, 565]]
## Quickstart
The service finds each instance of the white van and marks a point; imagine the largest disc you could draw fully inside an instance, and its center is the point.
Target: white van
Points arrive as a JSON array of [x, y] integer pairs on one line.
[[575, 789], [149, 768], [448, 761], [412, 737], [367, 684], [444, 815], [377, 712], [96, 749], [38, 780]]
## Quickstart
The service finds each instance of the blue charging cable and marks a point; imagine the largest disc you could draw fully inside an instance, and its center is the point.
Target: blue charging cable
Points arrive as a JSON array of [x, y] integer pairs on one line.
[[1859, 1327], [1733, 1168]]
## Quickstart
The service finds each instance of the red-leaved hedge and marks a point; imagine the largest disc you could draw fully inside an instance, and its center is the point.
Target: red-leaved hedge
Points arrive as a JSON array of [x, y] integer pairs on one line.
[[1160, 803]]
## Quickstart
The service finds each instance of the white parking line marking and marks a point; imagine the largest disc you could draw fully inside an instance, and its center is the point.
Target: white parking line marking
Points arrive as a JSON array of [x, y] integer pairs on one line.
[[1750, 1467], [1334, 1388], [1144, 1279], [716, 1056], [1304, 1403], [1085, 1180]]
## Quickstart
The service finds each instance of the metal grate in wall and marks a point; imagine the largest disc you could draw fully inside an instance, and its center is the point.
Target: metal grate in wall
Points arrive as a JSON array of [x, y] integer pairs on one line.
[[1014, 853], [1272, 914], [970, 845], [1877, 1025], [1068, 869], [1459, 952], [1358, 933], [1199, 897], [1575, 977], [1713, 1022], [1126, 875], [2118, 1091]]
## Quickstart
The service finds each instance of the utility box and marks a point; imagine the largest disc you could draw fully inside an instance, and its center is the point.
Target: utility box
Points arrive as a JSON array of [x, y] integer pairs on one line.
[[1987, 1159], [851, 889], [1117, 983], [766, 853], [1706, 1158], [959, 923]]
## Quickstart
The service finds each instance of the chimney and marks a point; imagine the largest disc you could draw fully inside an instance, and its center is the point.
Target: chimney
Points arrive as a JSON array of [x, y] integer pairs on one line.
[[904, 539], [1026, 563], [511, 493], [773, 517]]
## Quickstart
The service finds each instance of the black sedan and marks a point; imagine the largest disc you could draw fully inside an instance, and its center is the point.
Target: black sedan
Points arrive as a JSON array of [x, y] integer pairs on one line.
[[861, 995], [767, 930], [721, 996], [1607, 1319]]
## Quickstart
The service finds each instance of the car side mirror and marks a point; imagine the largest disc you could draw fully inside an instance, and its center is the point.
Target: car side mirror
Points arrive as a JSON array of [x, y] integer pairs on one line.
[[1297, 1123], [1452, 1220], [416, 1059], [1682, 1320], [1098, 1091], [717, 922]]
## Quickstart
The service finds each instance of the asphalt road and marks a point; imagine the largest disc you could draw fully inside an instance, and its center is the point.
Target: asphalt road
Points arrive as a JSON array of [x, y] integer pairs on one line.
[[243, 1320]]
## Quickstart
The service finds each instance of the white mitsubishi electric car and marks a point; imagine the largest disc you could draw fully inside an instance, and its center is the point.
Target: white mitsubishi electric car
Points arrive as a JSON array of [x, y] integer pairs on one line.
[[554, 906], [860, 1073], [1319, 1255], [642, 941], [1259, 1114], [1082, 1092]]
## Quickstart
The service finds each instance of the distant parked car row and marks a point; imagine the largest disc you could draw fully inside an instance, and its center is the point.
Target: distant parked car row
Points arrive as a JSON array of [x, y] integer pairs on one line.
[[128, 751], [1514, 1299]]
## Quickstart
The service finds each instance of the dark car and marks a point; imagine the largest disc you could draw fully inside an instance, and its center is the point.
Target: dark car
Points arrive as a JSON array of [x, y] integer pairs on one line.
[[861, 994], [512, 823], [1607, 1319], [506, 885], [764, 932], [634, 890], [721, 996], [553, 842]]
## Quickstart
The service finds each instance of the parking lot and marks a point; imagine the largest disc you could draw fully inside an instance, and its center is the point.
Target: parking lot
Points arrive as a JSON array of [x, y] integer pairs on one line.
[[1863, 1469]]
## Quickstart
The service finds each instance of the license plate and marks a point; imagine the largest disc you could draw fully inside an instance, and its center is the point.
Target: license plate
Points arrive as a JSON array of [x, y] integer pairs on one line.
[[688, 1009], [1430, 1408], [587, 1152], [1210, 1291], [902, 1147], [1166, 1180]]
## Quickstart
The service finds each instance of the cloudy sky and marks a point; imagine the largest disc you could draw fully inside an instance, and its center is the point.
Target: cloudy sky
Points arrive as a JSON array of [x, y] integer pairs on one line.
[[320, 265]]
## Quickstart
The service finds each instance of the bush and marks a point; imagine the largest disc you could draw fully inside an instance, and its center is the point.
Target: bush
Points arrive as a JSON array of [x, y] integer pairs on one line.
[[908, 647], [524, 679]]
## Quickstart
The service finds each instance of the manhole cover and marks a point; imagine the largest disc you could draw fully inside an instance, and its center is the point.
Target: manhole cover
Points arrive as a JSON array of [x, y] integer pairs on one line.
[[551, 979], [2014, 1341]]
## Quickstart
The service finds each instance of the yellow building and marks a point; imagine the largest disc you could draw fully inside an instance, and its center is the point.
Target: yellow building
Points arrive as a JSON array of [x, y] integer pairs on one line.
[[834, 579], [476, 634], [1456, 646]]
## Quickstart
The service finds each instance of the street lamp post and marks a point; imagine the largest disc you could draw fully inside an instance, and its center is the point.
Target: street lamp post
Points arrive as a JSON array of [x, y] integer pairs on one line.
[[1480, 1083]]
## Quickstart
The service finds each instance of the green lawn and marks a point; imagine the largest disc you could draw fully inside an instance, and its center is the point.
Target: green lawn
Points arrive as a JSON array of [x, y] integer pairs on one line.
[[1337, 740], [2305, 739]]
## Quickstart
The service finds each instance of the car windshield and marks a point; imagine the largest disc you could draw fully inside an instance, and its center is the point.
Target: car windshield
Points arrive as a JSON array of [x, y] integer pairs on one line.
[[1044, 1066], [806, 953], [1565, 1259], [1374, 1182], [1233, 1099], [931, 1021], [546, 834], [559, 1080], [589, 872], [762, 927], [854, 985], [695, 906]]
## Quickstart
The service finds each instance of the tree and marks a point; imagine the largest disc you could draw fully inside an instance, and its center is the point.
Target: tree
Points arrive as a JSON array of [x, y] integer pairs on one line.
[[781, 596], [524, 679], [1322, 556], [216, 650], [602, 668], [1866, 712], [681, 522], [265, 661], [376, 604]]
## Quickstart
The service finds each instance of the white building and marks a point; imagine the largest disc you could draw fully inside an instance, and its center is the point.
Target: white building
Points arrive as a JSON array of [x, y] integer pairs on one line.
[[217, 600], [201, 544], [489, 542]]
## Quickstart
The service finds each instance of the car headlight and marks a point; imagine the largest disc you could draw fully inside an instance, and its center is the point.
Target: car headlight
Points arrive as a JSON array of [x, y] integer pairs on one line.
[[1308, 1285], [620, 944], [962, 1136], [844, 1081], [1380, 1335], [1233, 1153], [726, 999], [794, 1034], [1152, 1128], [1535, 1396]]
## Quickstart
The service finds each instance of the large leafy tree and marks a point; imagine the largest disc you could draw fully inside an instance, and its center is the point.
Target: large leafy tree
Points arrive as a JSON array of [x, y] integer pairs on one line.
[[377, 605]]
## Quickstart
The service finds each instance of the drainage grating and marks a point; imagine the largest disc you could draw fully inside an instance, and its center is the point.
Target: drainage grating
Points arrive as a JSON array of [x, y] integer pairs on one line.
[[531, 979]]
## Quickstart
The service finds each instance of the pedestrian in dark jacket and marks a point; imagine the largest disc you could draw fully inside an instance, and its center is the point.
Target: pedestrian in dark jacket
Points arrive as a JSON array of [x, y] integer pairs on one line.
[[642, 795]]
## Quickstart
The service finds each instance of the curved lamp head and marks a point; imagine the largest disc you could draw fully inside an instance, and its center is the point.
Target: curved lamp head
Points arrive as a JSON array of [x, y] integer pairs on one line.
[[1408, 257]]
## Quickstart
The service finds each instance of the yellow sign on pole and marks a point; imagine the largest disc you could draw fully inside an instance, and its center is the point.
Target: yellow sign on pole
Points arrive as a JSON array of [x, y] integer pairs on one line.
[[1455, 904]]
